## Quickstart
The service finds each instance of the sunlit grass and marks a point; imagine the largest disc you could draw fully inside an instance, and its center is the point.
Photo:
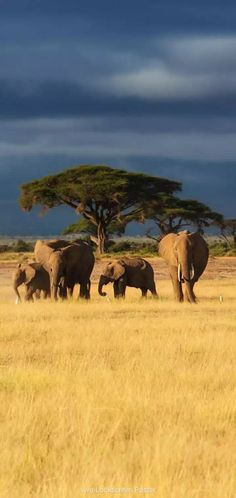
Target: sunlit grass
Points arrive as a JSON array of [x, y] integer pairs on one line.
[[119, 394]]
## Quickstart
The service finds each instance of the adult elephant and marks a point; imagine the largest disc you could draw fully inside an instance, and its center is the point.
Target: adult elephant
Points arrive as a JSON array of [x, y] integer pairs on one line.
[[186, 255], [131, 272], [67, 264], [35, 278]]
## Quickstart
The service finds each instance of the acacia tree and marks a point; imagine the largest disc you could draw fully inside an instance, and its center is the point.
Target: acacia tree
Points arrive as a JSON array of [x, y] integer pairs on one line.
[[172, 214], [100, 194]]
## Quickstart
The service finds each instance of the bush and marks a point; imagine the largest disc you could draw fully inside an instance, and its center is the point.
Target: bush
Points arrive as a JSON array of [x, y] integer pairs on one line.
[[4, 248], [221, 249], [18, 246], [22, 246], [133, 247]]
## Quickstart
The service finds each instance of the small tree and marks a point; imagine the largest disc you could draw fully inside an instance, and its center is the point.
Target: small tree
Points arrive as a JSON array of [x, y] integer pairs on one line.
[[228, 230], [172, 214], [100, 194], [86, 227]]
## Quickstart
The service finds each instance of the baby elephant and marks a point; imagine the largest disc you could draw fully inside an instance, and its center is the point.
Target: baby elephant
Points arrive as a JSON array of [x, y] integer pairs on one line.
[[35, 278], [131, 272]]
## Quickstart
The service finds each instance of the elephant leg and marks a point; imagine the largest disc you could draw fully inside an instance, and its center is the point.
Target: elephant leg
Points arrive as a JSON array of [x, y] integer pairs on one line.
[[62, 291], [122, 287], [29, 293], [84, 291], [177, 286], [186, 293], [152, 289], [45, 294], [70, 291], [144, 291], [116, 290], [88, 290], [37, 294]]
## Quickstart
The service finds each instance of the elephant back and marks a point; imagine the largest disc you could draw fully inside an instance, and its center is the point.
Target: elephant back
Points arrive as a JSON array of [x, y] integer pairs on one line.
[[57, 243], [44, 248], [42, 253]]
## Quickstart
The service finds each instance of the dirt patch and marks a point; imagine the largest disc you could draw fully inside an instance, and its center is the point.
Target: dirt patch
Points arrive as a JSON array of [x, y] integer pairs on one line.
[[224, 267]]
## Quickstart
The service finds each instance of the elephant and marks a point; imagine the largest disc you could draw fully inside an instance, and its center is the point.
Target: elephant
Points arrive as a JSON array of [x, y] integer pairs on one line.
[[35, 278], [67, 264], [186, 255], [131, 272]]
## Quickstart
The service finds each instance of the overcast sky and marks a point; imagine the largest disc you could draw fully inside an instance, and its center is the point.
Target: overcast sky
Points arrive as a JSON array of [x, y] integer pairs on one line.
[[142, 85]]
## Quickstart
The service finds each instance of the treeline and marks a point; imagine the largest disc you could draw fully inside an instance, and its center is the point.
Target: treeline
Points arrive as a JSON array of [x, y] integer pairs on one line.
[[19, 245], [123, 246]]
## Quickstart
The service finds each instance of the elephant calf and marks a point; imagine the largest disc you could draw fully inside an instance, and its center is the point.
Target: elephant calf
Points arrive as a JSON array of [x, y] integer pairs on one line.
[[131, 272], [35, 278]]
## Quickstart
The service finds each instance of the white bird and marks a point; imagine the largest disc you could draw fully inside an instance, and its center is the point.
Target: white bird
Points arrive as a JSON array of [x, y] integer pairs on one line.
[[221, 299]]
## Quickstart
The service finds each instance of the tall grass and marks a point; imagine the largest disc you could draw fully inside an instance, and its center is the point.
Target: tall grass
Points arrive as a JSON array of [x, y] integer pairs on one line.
[[119, 394]]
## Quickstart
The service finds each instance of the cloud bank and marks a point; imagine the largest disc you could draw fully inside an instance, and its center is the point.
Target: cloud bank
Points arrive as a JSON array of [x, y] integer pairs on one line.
[[150, 88]]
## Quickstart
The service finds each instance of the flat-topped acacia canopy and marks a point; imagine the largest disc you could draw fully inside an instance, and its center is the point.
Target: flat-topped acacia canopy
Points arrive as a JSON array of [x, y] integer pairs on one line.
[[100, 193], [99, 185]]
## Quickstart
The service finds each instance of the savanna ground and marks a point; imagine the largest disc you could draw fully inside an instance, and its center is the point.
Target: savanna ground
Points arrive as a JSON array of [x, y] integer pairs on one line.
[[131, 394]]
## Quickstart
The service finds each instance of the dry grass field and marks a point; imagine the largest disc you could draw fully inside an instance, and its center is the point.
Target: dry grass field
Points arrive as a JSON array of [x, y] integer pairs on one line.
[[131, 394]]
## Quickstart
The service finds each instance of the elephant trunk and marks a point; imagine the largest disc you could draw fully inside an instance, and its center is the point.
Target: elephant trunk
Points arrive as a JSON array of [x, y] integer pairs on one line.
[[189, 289], [18, 298], [187, 277], [57, 282], [54, 290], [186, 274], [102, 281]]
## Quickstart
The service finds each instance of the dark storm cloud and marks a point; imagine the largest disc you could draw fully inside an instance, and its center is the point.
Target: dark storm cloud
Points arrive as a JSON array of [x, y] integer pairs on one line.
[[64, 99], [147, 86], [134, 16]]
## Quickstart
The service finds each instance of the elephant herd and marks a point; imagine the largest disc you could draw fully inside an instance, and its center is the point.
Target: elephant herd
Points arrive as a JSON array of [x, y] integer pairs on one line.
[[60, 265]]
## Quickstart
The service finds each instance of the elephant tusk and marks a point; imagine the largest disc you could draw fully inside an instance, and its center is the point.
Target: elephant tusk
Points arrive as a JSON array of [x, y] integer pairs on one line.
[[179, 273], [192, 272]]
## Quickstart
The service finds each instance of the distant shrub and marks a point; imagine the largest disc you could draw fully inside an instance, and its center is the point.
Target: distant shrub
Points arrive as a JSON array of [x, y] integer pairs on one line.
[[221, 249], [121, 246], [18, 246], [132, 247], [22, 246], [4, 248]]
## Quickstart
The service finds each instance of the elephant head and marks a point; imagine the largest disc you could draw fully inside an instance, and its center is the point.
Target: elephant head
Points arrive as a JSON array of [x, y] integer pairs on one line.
[[188, 253], [23, 275], [111, 273]]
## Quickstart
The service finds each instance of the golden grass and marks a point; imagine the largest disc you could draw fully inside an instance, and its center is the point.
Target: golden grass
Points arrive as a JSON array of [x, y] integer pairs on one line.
[[119, 394]]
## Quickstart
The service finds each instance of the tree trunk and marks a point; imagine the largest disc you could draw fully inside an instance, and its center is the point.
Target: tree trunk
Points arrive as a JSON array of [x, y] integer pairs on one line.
[[101, 239]]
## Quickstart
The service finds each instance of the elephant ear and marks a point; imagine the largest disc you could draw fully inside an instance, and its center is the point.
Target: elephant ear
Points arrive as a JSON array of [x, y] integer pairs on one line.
[[30, 273], [118, 270], [166, 249]]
